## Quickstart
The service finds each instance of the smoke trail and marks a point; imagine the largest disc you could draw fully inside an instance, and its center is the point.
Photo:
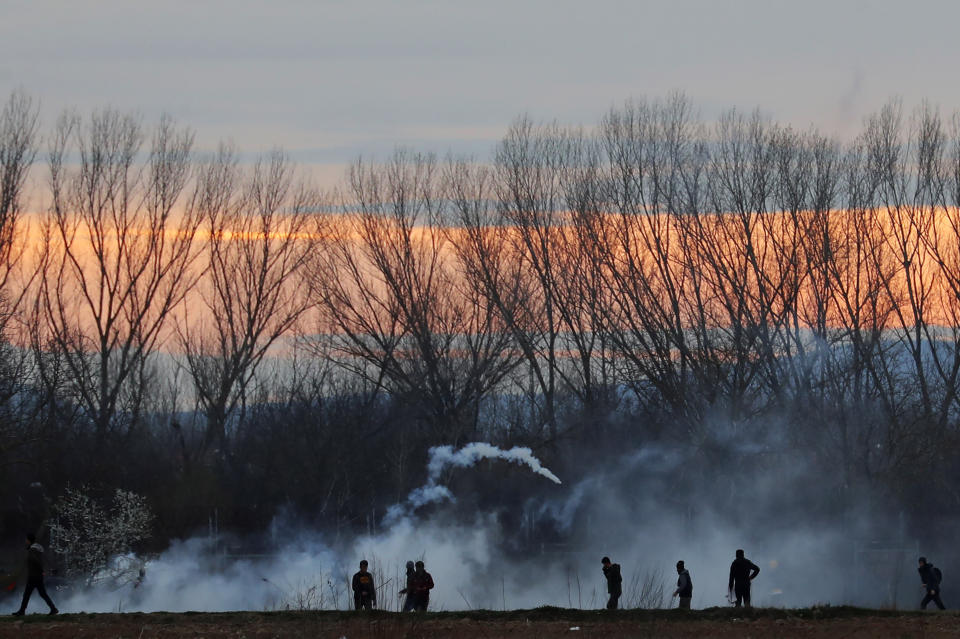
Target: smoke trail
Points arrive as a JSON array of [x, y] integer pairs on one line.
[[442, 457], [429, 494]]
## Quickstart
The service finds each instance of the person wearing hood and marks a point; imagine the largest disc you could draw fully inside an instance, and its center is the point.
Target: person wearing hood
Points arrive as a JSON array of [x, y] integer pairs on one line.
[[409, 600], [614, 582], [35, 576], [684, 586], [930, 576], [422, 585]]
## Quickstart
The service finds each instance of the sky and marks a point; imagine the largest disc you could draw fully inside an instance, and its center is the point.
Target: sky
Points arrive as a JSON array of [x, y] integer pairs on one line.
[[328, 81]]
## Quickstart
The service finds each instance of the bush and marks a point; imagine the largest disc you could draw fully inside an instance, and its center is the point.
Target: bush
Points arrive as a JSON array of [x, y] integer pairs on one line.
[[88, 535]]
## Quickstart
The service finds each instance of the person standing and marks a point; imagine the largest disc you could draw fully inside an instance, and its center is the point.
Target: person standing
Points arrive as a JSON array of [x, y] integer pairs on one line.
[[422, 585], [930, 575], [364, 592], [742, 572], [614, 582], [35, 576], [684, 586], [408, 600]]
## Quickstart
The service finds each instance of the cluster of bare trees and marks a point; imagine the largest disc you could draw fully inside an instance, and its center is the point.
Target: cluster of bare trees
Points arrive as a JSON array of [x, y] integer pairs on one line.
[[716, 279], [655, 276], [145, 250], [145, 263]]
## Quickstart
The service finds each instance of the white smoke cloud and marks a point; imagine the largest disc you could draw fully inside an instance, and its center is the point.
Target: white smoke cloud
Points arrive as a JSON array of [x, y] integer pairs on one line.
[[628, 508]]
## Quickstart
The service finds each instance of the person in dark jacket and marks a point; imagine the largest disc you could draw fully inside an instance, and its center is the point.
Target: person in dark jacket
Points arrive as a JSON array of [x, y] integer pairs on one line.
[[742, 572], [684, 586], [35, 576], [614, 582], [930, 576], [364, 592], [408, 600], [422, 585]]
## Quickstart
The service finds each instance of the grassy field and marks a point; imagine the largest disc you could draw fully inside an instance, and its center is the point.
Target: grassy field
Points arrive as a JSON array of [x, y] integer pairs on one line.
[[531, 624]]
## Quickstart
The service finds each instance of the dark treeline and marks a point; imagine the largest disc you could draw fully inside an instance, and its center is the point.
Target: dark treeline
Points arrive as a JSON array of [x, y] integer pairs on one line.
[[227, 341]]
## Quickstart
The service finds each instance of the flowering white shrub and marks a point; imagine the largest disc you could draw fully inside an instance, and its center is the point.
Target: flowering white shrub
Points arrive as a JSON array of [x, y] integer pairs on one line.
[[89, 535]]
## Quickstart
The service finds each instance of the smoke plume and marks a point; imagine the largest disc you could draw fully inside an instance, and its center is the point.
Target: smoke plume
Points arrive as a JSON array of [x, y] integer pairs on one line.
[[443, 457]]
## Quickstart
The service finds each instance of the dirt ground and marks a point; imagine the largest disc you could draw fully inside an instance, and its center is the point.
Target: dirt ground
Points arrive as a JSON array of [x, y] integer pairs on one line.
[[531, 624]]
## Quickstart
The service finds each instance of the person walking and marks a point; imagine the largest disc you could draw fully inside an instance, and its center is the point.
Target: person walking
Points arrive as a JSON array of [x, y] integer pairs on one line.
[[422, 585], [35, 576], [614, 582], [742, 572], [684, 586], [364, 591], [930, 575]]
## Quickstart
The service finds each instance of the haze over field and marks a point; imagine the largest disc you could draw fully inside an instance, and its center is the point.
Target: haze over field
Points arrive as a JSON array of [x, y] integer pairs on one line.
[[285, 287]]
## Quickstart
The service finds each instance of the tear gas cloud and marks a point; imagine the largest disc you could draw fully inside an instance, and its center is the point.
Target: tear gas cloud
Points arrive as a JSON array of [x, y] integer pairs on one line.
[[645, 508]]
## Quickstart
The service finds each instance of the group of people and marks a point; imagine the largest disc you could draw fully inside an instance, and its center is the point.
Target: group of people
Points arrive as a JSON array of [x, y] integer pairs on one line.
[[742, 573], [416, 592], [684, 584], [419, 583]]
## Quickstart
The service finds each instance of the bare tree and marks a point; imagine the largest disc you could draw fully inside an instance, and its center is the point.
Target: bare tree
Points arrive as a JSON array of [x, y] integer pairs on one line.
[[943, 241], [653, 166], [582, 293], [859, 268], [487, 262], [400, 314], [117, 257], [912, 174], [259, 237], [740, 260], [18, 136], [530, 199]]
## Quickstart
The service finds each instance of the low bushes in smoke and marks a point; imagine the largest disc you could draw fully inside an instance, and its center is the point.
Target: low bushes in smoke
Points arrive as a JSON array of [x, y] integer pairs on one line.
[[304, 595], [646, 589]]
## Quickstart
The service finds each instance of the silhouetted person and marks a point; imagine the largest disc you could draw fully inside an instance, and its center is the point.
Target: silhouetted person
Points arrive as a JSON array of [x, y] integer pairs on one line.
[[614, 582], [422, 585], [742, 572], [364, 592], [35, 576], [930, 576], [684, 586], [408, 600]]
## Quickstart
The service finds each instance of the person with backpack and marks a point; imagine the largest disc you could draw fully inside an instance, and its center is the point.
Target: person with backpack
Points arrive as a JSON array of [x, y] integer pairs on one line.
[[742, 572], [35, 576], [422, 585], [931, 576], [614, 582], [364, 591], [684, 586]]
